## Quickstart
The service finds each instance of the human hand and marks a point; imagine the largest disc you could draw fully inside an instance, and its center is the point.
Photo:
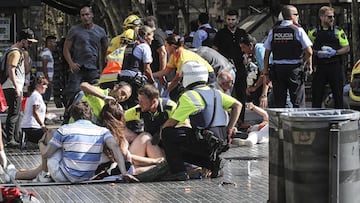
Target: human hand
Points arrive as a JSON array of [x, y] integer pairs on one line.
[[263, 102], [74, 67], [3, 159], [130, 178], [331, 52], [323, 54], [108, 99], [232, 131]]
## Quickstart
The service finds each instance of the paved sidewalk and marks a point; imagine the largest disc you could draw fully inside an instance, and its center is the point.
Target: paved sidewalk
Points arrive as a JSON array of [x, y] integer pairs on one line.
[[248, 170], [247, 188]]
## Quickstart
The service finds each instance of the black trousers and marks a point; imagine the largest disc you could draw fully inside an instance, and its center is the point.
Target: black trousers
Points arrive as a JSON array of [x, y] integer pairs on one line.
[[13, 113], [288, 77], [332, 74], [240, 86], [181, 145]]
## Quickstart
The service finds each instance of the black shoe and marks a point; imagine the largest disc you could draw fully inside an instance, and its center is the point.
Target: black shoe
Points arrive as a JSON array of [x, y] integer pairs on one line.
[[218, 166], [180, 176], [13, 144]]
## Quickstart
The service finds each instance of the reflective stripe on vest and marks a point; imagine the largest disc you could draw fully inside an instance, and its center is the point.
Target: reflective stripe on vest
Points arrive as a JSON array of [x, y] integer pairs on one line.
[[203, 118]]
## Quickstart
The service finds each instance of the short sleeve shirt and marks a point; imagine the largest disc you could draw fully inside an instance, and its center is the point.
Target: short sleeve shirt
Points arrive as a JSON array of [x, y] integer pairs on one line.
[[29, 120], [143, 52], [46, 54], [86, 44], [182, 56], [187, 107]]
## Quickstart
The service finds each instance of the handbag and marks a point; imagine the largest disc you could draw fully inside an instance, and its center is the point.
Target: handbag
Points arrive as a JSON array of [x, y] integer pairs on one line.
[[3, 104]]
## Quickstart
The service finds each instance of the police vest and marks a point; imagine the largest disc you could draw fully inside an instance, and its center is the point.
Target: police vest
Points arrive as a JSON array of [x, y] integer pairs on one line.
[[148, 121], [284, 44], [327, 38], [211, 32], [130, 62], [203, 118]]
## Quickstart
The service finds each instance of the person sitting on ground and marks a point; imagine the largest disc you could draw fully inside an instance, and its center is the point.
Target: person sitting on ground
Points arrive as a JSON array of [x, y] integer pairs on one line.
[[74, 152], [258, 133], [209, 136], [224, 82], [141, 152], [33, 122]]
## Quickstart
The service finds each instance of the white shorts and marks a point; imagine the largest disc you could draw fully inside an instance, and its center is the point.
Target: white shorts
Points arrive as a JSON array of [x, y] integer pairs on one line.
[[53, 164]]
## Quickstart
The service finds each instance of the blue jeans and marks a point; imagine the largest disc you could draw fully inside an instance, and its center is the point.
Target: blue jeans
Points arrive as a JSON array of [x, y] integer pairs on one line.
[[84, 75]]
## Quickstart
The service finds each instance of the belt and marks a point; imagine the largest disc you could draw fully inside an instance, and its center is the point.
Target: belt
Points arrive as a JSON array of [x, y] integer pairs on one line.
[[288, 65]]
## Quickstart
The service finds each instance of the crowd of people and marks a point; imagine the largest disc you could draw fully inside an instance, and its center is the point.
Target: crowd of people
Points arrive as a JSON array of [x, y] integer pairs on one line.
[[159, 103]]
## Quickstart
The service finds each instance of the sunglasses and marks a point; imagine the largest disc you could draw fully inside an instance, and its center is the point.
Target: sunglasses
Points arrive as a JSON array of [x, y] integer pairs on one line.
[[330, 17]]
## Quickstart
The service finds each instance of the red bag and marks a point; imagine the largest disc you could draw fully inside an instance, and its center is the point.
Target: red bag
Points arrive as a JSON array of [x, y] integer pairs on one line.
[[3, 104]]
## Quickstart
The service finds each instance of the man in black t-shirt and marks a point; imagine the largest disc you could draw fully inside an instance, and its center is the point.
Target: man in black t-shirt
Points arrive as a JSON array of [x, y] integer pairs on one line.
[[227, 43]]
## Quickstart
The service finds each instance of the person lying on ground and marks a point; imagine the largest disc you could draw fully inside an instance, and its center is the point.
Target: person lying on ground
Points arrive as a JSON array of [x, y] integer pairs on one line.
[[258, 133]]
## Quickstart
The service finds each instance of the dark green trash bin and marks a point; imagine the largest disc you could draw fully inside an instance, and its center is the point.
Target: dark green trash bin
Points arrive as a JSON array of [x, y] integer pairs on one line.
[[321, 156], [276, 153]]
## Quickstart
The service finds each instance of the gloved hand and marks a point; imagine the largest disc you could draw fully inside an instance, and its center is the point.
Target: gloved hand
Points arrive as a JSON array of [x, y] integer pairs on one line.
[[331, 52], [165, 94], [323, 54], [3, 160]]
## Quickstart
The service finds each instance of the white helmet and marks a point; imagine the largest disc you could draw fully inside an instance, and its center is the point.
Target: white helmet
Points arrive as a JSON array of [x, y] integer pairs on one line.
[[194, 71]]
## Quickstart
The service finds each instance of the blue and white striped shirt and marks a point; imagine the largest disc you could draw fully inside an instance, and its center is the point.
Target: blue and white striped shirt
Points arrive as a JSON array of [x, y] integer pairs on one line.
[[82, 143]]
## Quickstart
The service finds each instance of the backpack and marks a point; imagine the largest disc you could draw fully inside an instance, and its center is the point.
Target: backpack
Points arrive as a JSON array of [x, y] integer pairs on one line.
[[3, 64], [211, 32]]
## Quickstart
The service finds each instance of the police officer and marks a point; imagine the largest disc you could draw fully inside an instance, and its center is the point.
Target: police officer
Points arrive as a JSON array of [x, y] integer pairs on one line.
[[330, 42], [205, 107], [291, 47], [150, 114]]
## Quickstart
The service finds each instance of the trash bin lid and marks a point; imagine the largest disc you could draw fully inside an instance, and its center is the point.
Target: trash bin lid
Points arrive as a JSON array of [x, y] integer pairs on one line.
[[322, 115], [278, 111]]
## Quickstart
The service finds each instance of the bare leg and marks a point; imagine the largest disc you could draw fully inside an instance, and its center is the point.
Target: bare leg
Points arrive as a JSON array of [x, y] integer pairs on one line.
[[144, 153], [154, 151], [145, 161], [29, 174]]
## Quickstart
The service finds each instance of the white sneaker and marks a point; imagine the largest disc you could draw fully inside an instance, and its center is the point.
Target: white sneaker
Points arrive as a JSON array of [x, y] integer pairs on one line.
[[43, 177], [11, 172], [242, 142]]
